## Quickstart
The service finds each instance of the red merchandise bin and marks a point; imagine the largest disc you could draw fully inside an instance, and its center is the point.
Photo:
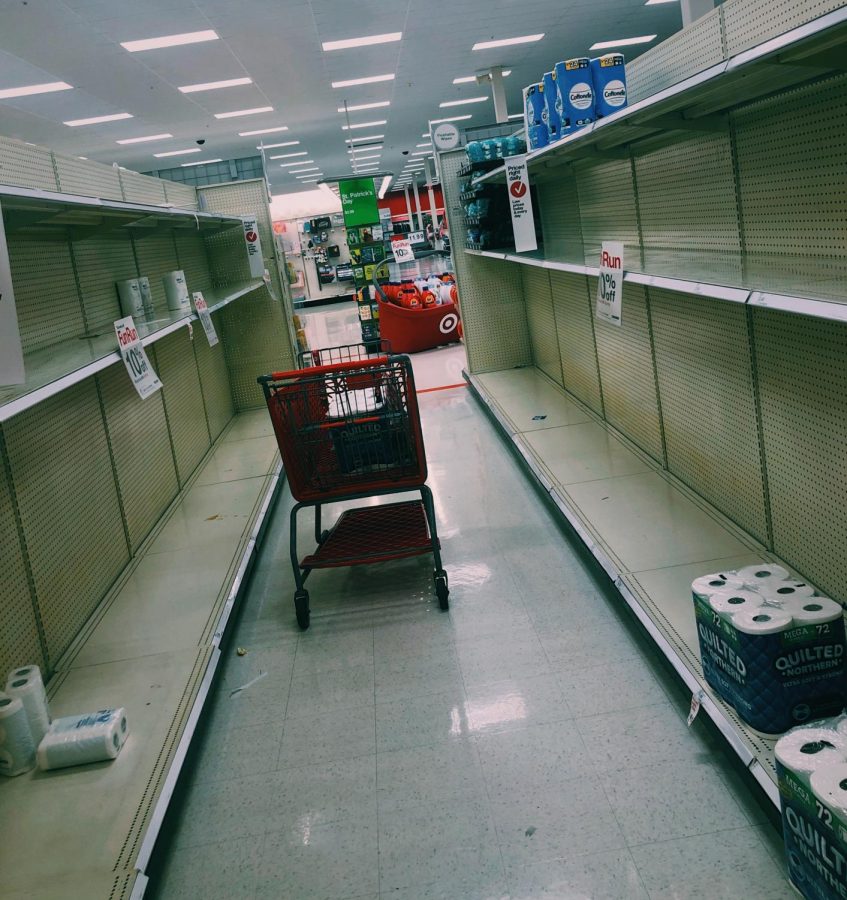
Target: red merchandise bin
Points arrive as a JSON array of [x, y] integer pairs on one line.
[[413, 330]]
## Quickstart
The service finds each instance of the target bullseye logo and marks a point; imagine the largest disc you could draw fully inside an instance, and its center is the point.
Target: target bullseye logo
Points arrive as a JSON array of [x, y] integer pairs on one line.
[[448, 323], [251, 236], [517, 189]]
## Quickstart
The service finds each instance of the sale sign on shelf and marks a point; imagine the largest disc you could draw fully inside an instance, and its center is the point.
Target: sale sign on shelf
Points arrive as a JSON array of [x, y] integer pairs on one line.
[[610, 284], [402, 249], [520, 203], [144, 379], [205, 317], [254, 246]]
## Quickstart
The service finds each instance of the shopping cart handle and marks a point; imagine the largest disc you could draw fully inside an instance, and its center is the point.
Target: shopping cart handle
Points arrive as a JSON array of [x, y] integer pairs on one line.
[[319, 370]]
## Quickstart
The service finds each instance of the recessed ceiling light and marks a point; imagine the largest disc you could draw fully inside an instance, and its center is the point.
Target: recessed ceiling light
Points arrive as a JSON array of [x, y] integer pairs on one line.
[[623, 42], [389, 38], [372, 79], [213, 85], [300, 162], [170, 40], [178, 152], [98, 120], [451, 119], [507, 42], [28, 90], [360, 106], [287, 155], [201, 162], [142, 140], [469, 79], [362, 140], [275, 146], [263, 131], [375, 124], [244, 112], [463, 102]]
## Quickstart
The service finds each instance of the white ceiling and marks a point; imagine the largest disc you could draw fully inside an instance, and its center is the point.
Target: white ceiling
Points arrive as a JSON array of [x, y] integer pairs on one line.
[[278, 44]]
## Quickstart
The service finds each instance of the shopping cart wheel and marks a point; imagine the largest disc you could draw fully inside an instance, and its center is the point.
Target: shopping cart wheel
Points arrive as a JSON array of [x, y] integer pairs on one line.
[[441, 589], [301, 606]]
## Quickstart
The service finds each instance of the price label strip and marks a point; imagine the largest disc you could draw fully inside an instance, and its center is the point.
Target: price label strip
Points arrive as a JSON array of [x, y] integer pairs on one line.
[[205, 317], [610, 284], [141, 373]]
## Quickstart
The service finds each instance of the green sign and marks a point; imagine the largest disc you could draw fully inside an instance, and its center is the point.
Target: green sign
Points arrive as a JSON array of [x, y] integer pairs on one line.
[[358, 201]]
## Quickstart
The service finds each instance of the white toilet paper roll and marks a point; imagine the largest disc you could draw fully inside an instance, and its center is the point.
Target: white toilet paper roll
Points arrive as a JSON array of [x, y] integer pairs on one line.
[[76, 740], [786, 590], [706, 585], [17, 748], [814, 610], [729, 603], [176, 290], [26, 684], [762, 574], [806, 750], [829, 785], [762, 621], [841, 727], [147, 297], [129, 294]]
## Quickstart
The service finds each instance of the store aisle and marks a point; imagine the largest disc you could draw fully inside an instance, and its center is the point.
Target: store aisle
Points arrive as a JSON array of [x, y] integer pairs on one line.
[[524, 745]]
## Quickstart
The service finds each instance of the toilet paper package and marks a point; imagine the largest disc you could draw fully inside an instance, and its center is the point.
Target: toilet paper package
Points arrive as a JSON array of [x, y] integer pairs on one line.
[[609, 76], [129, 295], [811, 765], [537, 137], [17, 748], [706, 585], [146, 297], [575, 85], [551, 104], [534, 106], [763, 576], [76, 740], [26, 684], [176, 291]]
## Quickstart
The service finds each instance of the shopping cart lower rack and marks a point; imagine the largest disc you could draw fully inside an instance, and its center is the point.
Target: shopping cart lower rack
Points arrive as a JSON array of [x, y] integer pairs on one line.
[[346, 431]]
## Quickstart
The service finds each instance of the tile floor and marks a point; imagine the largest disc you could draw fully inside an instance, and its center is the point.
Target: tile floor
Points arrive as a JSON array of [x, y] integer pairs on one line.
[[527, 744]]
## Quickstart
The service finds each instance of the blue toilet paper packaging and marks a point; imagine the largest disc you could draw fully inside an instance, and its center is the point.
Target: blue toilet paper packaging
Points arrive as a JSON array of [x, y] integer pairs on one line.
[[575, 85], [551, 103], [534, 106], [609, 75], [537, 137]]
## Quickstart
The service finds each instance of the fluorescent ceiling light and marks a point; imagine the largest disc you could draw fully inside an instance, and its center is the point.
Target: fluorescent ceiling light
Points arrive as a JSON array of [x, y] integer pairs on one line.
[[275, 146], [28, 90], [263, 131], [311, 177], [463, 102], [384, 186], [623, 42], [361, 140], [363, 158], [98, 120], [427, 144], [389, 38], [178, 152], [507, 42], [451, 119], [310, 180], [307, 169], [201, 162], [360, 106], [170, 40], [470, 79], [422, 153], [368, 149], [657, 2], [213, 85], [374, 124], [300, 162], [516, 116], [244, 112], [288, 155], [372, 79], [142, 140]]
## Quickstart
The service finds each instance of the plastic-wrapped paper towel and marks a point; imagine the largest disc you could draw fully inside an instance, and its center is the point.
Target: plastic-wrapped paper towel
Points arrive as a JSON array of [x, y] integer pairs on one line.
[[706, 585], [26, 684], [729, 603], [763, 575], [76, 740], [17, 748]]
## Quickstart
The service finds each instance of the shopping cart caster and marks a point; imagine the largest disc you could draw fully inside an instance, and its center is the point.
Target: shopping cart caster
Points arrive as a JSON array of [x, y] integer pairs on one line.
[[301, 606], [441, 589]]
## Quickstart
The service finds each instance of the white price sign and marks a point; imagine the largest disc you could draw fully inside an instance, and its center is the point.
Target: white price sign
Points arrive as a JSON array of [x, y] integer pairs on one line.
[[145, 380], [610, 284], [520, 203], [402, 249], [254, 246], [11, 352], [205, 317]]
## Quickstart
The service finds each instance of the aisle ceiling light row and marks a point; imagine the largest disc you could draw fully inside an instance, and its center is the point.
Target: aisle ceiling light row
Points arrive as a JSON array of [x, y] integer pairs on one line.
[[123, 91]]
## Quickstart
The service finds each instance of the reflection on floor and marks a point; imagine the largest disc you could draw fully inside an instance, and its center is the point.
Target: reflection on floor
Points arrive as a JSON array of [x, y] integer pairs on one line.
[[526, 744]]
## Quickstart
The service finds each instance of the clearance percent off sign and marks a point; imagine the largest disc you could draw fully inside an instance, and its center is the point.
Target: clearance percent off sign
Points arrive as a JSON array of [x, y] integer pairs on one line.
[[610, 283]]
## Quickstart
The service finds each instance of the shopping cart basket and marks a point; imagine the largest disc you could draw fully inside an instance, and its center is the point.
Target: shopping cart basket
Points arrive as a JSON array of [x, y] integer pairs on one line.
[[326, 356], [350, 430]]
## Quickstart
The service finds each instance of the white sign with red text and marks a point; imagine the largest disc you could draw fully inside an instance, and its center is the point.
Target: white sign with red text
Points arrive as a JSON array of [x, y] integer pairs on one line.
[[205, 317], [11, 353], [610, 284], [520, 203], [254, 246], [402, 250], [145, 380]]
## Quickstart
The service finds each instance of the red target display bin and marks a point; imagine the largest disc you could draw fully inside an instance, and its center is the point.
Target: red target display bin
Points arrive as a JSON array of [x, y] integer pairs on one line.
[[413, 330]]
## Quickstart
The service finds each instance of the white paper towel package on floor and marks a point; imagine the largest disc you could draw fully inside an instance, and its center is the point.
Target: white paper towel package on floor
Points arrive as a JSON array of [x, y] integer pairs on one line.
[[811, 764], [26, 684], [76, 740], [17, 748], [772, 649]]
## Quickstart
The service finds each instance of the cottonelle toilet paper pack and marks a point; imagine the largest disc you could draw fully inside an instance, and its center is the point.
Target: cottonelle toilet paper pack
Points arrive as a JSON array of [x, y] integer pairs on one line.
[[17, 748], [76, 740]]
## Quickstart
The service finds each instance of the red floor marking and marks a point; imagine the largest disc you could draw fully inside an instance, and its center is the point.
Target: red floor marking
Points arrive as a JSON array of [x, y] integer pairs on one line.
[[445, 387]]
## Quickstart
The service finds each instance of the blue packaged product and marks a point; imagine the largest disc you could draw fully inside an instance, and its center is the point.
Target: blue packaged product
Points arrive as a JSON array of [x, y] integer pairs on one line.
[[475, 152], [551, 96], [575, 85], [536, 113], [609, 75], [538, 136]]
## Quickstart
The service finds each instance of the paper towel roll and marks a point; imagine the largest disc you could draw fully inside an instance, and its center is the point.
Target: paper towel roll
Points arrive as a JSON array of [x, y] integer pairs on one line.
[[706, 585], [787, 589], [26, 684], [176, 290], [762, 574], [728, 603], [829, 785], [761, 621], [17, 748], [147, 297], [805, 750], [129, 294], [76, 740], [814, 610]]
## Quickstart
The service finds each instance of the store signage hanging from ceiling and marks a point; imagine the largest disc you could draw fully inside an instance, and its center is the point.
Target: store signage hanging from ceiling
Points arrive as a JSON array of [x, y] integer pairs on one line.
[[358, 201], [254, 246], [520, 203], [11, 352], [445, 136]]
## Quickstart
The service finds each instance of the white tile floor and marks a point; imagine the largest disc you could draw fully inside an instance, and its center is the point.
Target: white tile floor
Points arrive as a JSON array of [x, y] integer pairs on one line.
[[527, 744]]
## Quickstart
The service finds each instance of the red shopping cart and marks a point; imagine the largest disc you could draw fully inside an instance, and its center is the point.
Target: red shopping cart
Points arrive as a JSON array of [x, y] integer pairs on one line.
[[346, 431]]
